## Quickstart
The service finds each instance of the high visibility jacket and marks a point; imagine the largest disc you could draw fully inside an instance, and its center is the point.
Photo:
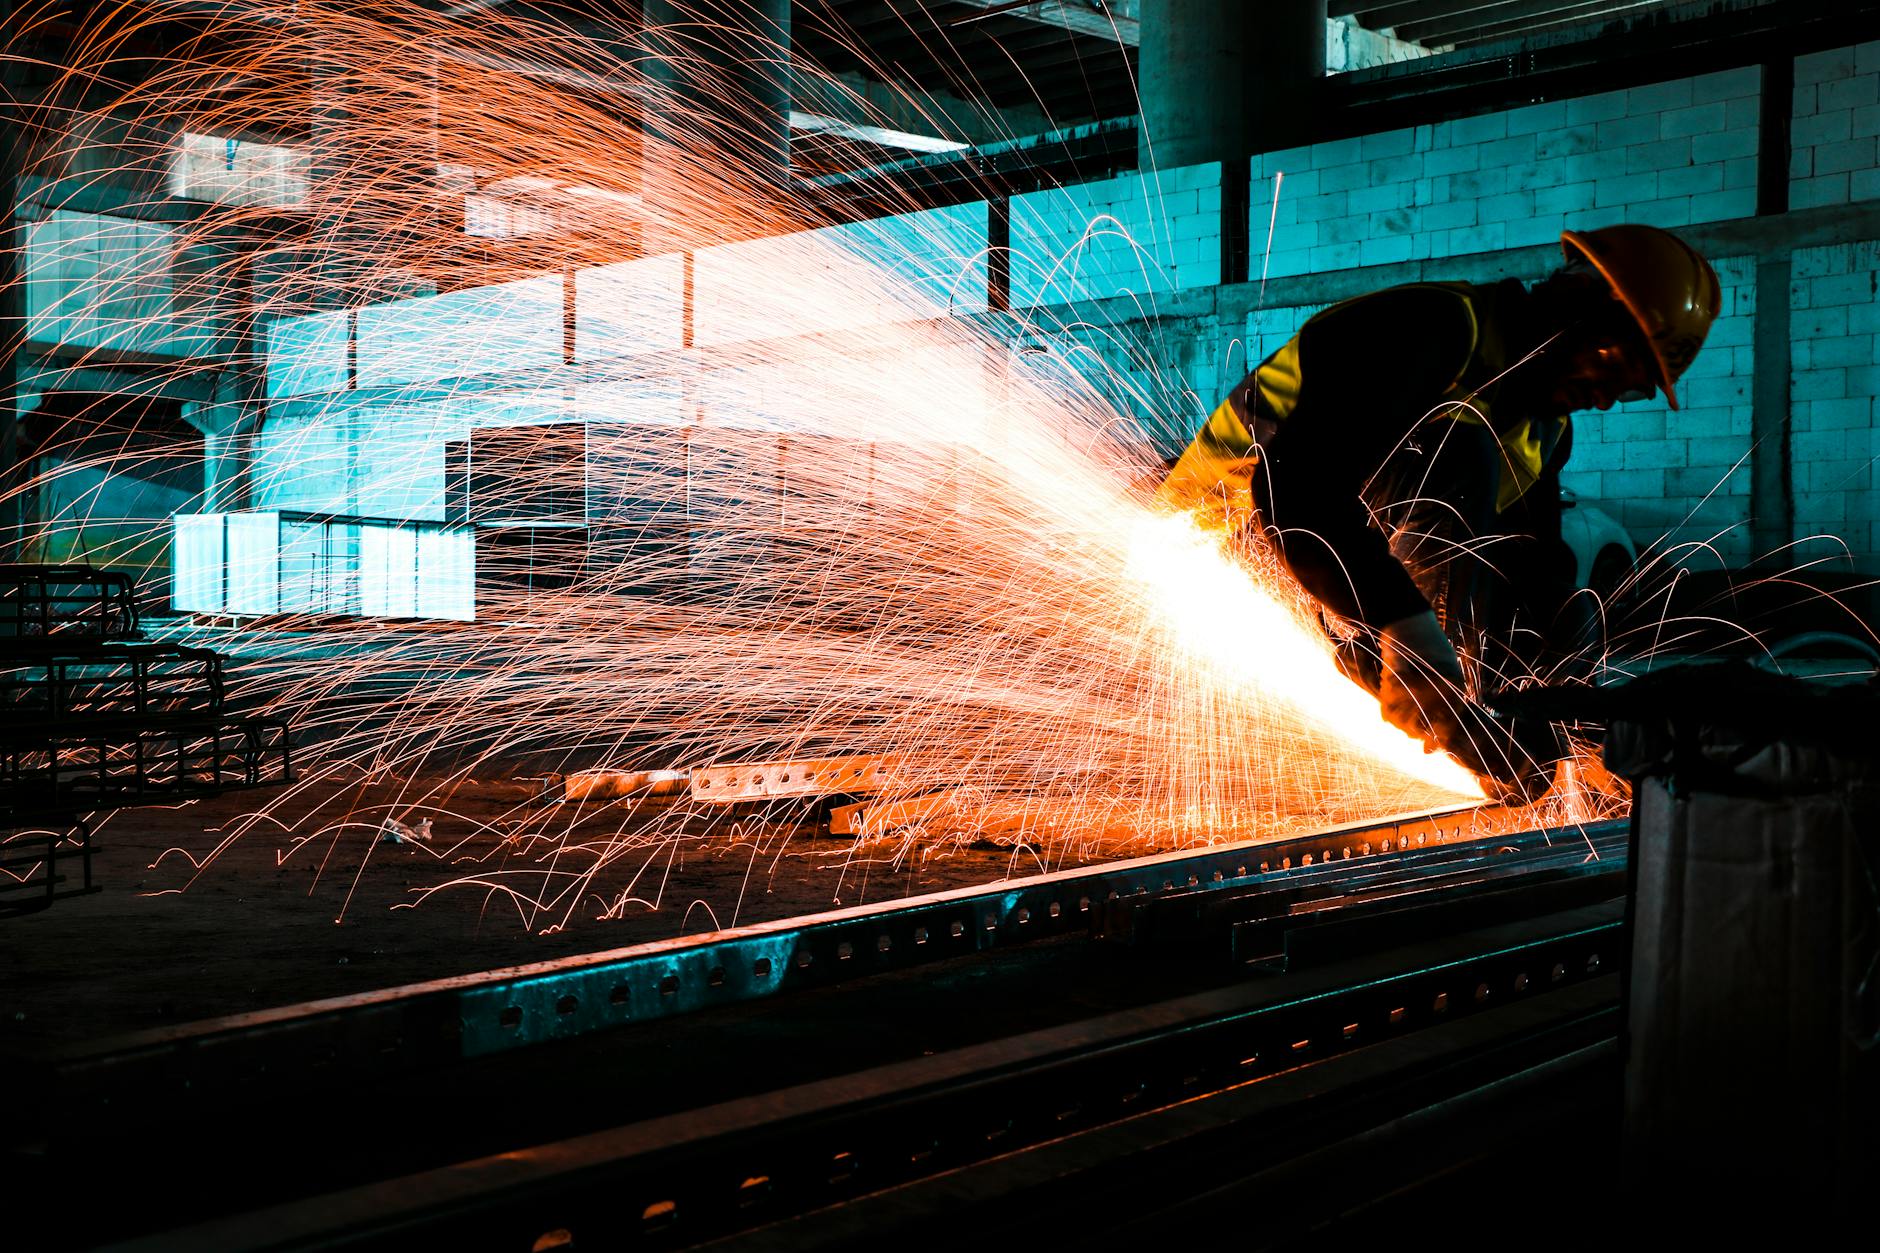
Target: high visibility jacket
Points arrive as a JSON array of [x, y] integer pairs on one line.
[[1350, 388], [1213, 477]]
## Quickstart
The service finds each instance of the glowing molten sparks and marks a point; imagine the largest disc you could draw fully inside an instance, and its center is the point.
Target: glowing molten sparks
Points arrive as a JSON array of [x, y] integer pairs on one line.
[[1240, 634]]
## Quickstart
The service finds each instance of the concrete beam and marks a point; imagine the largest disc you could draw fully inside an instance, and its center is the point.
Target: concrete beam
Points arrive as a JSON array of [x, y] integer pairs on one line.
[[1115, 20], [856, 98]]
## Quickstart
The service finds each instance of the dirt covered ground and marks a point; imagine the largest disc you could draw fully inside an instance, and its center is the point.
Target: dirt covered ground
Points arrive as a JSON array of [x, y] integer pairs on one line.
[[269, 897]]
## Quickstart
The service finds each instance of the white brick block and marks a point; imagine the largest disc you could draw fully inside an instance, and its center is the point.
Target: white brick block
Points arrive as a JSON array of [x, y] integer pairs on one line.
[[1475, 130], [1810, 193], [1696, 120], [1543, 228], [1384, 250], [1850, 93], [1822, 128], [1817, 67], [1337, 152], [1744, 113], [1847, 286], [1626, 131], [1316, 208], [1286, 238], [1288, 160], [1510, 151], [1344, 177], [1572, 141], [1593, 219], [1537, 117], [1384, 196], [1484, 238], [1281, 264], [1394, 169], [1664, 154], [1453, 160], [1565, 199], [1726, 84], [1449, 215], [1850, 154], [1335, 257], [1659, 97], [1691, 180], [1624, 189], [1600, 108], [1506, 207]]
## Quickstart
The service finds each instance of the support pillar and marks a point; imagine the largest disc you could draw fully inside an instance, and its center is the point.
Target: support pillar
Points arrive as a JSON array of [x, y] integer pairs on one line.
[[13, 404], [718, 88], [1222, 79]]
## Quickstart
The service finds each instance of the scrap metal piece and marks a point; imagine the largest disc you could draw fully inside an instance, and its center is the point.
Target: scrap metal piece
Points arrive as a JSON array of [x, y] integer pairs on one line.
[[598, 785], [812, 776], [876, 817]]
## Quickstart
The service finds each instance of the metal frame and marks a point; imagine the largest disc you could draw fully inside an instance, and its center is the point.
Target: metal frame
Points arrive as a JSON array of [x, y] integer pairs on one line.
[[29, 892], [410, 1028], [109, 679], [65, 603], [1538, 991], [49, 774]]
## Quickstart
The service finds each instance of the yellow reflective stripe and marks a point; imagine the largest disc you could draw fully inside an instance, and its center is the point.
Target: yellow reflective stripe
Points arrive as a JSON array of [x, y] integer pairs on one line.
[[1214, 476], [1523, 457], [1278, 381]]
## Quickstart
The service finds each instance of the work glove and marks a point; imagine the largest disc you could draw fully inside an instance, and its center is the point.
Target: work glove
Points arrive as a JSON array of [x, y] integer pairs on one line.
[[1420, 687], [1422, 695]]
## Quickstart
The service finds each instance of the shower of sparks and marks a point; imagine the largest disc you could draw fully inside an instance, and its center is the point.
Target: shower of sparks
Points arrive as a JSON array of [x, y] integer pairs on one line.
[[828, 507]]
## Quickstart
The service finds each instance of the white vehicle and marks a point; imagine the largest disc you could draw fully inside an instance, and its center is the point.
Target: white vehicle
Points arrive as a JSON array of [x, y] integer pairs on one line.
[[1603, 554]]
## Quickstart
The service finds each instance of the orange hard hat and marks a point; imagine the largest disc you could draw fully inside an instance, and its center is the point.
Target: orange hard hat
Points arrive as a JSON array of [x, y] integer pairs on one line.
[[1669, 289]]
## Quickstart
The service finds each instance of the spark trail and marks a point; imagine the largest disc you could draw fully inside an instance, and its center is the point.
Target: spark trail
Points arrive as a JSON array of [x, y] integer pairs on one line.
[[825, 507]]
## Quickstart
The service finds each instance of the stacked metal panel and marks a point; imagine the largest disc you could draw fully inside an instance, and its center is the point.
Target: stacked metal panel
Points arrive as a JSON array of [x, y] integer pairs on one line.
[[93, 718], [269, 563]]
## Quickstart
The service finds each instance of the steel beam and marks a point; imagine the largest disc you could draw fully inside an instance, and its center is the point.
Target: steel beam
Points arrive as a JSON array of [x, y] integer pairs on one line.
[[1423, 1025], [401, 1030], [1118, 21]]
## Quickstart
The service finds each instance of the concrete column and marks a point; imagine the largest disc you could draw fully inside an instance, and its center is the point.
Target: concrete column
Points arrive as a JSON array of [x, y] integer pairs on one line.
[[717, 119], [14, 403], [375, 197], [720, 72], [1221, 79]]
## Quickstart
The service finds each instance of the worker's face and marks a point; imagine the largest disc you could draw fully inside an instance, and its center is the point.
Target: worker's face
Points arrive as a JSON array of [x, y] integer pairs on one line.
[[1600, 367]]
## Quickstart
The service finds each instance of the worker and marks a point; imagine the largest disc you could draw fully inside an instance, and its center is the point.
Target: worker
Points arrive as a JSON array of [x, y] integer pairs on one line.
[[1401, 455]]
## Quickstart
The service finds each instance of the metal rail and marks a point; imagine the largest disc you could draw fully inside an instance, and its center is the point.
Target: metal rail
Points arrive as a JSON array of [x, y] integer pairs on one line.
[[434, 1023], [720, 1170]]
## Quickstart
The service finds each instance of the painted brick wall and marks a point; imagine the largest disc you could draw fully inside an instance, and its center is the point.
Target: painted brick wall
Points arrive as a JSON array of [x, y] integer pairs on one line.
[[1674, 480], [1680, 482], [481, 330], [934, 263], [340, 454], [629, 307], [1668, 154], [1833, 317], [1133, 235], [94, 281], [1836, 127]]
